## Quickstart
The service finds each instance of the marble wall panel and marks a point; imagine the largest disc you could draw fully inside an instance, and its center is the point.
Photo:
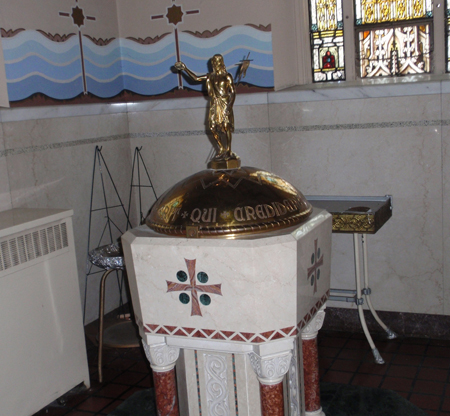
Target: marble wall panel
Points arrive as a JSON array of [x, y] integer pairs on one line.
[[177, 143], [170, 159], [50, 165], [146, 119], [165, 121], [357, 111], [253, 149], [63, 131], [251, 140], [446, 198], [174, 143], [364, 146], [251, 116], [406, 254], [5, 195]]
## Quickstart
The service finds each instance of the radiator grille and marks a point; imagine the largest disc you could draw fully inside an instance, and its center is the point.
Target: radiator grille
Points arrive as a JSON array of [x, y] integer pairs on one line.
[[24, 248]]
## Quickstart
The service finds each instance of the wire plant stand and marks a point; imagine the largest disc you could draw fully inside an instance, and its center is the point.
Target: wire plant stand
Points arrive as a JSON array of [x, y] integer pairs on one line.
[[101, 176], [139, 171], [102, 182]]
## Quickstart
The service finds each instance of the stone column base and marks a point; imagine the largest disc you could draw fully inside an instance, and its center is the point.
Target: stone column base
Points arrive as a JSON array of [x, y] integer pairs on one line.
[[315, 413]]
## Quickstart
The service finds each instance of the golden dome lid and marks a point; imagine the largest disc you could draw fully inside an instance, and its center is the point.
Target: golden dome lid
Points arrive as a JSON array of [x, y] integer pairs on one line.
[[226, 200], [228, 203]]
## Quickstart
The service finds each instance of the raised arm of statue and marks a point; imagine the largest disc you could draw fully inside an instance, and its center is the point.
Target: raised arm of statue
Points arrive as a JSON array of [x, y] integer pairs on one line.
[[181, 66]]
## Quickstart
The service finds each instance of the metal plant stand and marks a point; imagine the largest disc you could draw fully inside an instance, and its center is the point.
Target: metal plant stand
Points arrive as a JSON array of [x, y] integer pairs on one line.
[[101, 180], [139, 171], [122, 334], [109, 257]]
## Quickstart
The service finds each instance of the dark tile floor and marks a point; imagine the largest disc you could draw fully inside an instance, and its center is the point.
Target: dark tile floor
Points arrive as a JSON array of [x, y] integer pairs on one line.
[[417, 369]]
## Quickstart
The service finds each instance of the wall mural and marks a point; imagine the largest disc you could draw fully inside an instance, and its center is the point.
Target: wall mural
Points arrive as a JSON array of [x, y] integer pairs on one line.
[[44, 68]]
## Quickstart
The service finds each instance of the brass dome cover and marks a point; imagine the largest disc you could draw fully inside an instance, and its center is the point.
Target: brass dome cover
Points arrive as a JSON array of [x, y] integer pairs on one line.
[[228, 203]]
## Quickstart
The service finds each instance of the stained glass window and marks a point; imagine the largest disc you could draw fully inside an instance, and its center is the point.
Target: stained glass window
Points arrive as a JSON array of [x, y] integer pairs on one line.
[[447, 24], [327, 40], [380, 11], [394, 36]]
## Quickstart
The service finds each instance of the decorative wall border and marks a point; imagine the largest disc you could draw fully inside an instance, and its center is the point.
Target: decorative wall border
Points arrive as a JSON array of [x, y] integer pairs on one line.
[[73, 143], [360, 126], [286, 129], [186, 133], [243, 337], [61, 80]]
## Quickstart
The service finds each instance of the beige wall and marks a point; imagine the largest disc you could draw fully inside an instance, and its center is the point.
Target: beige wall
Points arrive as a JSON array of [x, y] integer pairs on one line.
[[377, 146], [33, 15], [377, 140], [135, 15], [356, 146], [49, 163]]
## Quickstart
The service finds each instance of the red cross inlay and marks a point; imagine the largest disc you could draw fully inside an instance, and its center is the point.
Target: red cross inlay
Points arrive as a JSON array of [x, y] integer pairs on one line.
[[194, 288], [314, 269]]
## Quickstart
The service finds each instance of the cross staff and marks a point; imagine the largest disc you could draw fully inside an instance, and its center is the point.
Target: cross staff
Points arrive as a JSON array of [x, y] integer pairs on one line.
[[78, 17], [174, 16], [243, 66]]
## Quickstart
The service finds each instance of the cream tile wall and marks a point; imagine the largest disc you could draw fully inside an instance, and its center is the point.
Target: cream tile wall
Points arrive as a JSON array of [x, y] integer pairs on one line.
[[49, 164], [176, 144], [360, 150], [5, 195], [446, 197], [370, 140]]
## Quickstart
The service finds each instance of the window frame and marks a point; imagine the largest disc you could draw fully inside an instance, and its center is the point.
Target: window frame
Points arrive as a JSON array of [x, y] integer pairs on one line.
[[351, 46]]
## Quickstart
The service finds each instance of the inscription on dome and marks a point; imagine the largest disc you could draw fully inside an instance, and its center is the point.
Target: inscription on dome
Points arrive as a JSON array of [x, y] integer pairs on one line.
[[218, 203]]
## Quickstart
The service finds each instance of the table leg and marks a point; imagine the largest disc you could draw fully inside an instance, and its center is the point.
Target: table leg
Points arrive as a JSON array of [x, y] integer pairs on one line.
[[366, 291], [101, 324], [359, 302]]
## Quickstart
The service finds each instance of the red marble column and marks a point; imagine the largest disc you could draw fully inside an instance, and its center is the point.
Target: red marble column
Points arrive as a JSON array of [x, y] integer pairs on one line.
[[270, 370], [162, 360], [272, 402], [311, 364], [311, 375], [166, 393]]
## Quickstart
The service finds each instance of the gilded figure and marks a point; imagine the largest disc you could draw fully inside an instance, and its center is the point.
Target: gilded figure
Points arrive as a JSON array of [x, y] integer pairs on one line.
[[222, 93]]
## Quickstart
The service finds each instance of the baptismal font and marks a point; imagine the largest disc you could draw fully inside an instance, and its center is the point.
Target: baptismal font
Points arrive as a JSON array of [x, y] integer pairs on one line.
[[229, 281]]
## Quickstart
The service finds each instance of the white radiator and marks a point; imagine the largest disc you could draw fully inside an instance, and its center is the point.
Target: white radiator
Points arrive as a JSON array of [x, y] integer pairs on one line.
[[42, 345]]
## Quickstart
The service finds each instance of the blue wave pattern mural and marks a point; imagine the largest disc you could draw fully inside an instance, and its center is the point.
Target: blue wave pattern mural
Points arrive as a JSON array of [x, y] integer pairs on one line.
[[234, 44], [36, 64]]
